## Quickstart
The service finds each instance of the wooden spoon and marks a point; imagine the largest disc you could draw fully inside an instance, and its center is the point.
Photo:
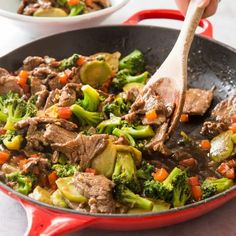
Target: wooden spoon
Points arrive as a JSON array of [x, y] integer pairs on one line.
[[170, 80]]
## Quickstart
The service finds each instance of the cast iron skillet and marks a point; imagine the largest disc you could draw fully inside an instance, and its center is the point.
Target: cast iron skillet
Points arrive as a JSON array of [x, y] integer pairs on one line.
[[211, 63]]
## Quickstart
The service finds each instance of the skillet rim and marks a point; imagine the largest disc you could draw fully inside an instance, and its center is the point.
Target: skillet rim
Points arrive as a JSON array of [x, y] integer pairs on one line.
[[102, 215]]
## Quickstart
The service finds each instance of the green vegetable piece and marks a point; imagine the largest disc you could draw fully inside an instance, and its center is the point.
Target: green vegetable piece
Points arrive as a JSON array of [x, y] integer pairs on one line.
[[210, 187], [134, 62], [58, 200], [104, 162], [120, 133], [76, 10], [65, 170], [12, 141], [86, 117], [91, 98], [41, 194], [95, 73], [127, 197], [160, 205], [145, 171], [69, 191], [69, 62], [221, 146], [50, 12], [132, 85], [139, 132], [233, 137], [107, 126]]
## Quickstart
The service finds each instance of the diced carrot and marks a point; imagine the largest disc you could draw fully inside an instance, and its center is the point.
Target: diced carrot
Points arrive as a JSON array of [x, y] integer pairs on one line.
[[233, 127], [52, 177], [151, 115], [73, 2], [63, 78], [233, 119], [230, 174], [231, 163], [64, 112], [205, 144], [90, 170], [23, 77], [89, 3], [223, 168], [2, 131], [189, 162], [160, 175], [80, 61], [184, 118], [34, 156], [196, 192], [4, 156], [193, 181], [22, 163]]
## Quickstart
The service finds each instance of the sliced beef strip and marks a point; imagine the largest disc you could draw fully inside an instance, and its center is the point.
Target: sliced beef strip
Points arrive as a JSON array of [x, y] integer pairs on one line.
[[41, 98], [83, 148], [197, 101], [56, 134], [45, 120], [98, 189], [68, 94], [8, 83], [53, 98], [36, 85], [225, 110], [32, 62]]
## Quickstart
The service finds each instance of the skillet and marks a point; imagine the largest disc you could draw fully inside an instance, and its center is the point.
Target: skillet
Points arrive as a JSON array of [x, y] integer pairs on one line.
[[211, 64]]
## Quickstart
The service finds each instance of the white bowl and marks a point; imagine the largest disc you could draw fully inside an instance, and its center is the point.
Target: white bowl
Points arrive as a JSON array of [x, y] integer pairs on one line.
[[46, 25]]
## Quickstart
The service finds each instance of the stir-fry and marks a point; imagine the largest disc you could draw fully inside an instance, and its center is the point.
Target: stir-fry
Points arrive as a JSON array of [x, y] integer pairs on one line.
[[60, 8], [79, 133]]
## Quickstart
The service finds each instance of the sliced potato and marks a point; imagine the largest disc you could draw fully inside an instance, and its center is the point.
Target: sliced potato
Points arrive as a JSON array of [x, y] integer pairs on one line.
[[50, 12], [69, 191], [41, 194], [130, 86], [95, 73], [58, 200]]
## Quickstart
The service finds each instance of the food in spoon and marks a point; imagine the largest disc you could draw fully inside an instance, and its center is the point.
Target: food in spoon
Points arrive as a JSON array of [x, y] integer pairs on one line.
[[72, 136], [60, 8]]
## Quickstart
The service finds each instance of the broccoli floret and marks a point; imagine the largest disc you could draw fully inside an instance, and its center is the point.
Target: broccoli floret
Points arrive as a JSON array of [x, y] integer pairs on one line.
[[210, 187], [65, 170], [12, 140], [162, 190], [120, 133], [86, 117], [118, 107], [134, 62], [76, 10], [125, 171], [23, 184], [125, 196], [181, 192], [91, 99], [124, 77], [141, 131], [14, 109], [145, 171], [107, 126], [68, 63]]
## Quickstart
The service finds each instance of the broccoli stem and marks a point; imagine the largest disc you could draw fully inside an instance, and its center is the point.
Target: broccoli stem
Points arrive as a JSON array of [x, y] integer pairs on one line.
[[139, 131], [168, 181], [118, 132], [91, 98], [3, 117]]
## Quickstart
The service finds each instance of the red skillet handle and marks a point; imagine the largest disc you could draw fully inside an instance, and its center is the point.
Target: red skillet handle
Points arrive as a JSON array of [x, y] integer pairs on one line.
[[206, 26], [44, 222]]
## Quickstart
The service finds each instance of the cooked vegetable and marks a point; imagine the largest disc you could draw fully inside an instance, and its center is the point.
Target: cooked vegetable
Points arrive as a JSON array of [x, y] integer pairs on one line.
[[124, 77], [160, 174], [22, 184], [132, 85], [127, 197], [12, 140], [125, 172], [65, 170], [211, 186], [91, 99], [140, 131], [86, 117], [69, 62], [151, 115], [107, 126], [221, 146], [134, 62], [120, 133], [145, 171], [41, 194], [50, 12], [64, 113], [162, 190], [14, 108], [57, 199], [76, 9], [69, 191], [95, 73], [4, 156]]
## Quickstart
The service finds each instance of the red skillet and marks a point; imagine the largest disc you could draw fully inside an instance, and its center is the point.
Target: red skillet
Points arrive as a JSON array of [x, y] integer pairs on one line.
[[210, 63]]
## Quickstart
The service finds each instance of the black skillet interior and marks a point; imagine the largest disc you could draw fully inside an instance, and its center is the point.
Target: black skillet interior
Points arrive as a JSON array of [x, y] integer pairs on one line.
[[211, 64]]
